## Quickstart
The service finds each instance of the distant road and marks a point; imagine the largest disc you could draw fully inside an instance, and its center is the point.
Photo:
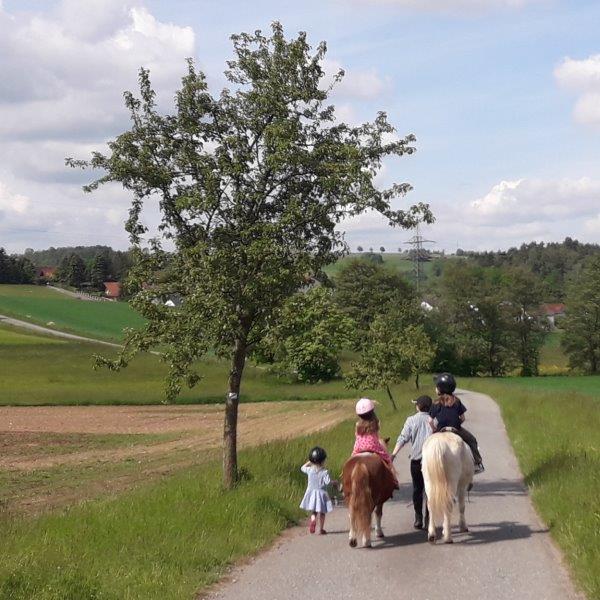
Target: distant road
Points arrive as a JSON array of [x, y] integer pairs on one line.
[[507, 554], [54, 332]]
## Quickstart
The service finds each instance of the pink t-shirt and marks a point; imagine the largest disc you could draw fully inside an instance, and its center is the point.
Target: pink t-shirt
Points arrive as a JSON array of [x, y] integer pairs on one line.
[[369, 442]]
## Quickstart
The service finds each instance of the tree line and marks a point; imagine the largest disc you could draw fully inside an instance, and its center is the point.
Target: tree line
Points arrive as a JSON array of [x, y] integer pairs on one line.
[[554, 263], [15, 269]]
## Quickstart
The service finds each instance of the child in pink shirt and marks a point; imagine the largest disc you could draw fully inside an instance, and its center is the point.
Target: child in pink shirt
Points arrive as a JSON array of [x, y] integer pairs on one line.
[[367, 431]]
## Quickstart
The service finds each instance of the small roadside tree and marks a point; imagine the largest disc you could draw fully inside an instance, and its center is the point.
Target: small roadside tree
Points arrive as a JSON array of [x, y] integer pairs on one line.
[[396, 348], [581, 326], [251, 184]]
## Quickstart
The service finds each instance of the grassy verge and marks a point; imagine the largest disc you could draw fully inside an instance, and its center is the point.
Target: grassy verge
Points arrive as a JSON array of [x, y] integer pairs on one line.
[[168, 539], [554, 426]]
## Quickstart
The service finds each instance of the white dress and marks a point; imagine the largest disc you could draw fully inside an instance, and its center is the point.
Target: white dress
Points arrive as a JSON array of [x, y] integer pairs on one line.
[[316, 498]]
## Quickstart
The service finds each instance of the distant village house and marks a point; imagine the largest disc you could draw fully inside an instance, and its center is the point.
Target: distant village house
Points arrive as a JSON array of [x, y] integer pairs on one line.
[[112, 289], [46, 272], [552, 312]]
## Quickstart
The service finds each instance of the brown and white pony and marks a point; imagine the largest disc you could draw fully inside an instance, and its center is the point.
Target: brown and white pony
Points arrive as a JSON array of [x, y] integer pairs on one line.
[[367, 484], [447, 466]]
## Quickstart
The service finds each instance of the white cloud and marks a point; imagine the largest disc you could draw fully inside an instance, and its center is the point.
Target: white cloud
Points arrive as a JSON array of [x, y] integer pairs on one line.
[[583, 78], [12, 203], [62, 75], [524, 200], [510, 213]]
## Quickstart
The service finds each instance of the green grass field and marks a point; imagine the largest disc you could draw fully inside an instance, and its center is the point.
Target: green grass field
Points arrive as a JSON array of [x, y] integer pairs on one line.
[[40, 305], [393, 260], [169, 539], [554, 426], [46, 371]]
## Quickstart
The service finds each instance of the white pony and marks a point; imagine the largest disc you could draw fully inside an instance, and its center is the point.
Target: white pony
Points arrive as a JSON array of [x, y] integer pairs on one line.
[[448, 468]]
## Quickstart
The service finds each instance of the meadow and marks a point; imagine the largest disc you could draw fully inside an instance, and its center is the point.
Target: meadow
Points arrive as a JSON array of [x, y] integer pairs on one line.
[[40, 370], [554, 426], [42, 305]]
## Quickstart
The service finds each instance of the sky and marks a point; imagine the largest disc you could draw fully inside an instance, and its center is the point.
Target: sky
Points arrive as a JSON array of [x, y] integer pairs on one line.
[[503, 97]]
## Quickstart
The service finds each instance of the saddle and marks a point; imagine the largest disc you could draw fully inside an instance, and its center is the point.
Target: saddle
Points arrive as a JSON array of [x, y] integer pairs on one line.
[[451, 430]]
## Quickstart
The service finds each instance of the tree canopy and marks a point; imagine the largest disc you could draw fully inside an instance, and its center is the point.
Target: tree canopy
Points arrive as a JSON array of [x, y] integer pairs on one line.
[[251, 184]]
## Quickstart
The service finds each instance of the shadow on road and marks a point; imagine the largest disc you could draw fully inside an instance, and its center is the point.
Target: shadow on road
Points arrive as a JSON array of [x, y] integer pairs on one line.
[[479, 533], [501, 487]]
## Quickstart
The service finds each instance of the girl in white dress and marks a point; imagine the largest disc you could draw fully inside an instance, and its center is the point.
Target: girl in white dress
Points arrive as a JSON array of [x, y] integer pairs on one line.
[[316, 499]]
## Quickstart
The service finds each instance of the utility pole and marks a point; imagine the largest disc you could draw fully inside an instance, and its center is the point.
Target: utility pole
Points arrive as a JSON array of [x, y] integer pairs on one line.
[[418, 255]]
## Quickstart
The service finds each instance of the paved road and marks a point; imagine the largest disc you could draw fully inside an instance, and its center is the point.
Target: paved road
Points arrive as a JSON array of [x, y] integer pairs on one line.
[[54, 332], [506, 555]]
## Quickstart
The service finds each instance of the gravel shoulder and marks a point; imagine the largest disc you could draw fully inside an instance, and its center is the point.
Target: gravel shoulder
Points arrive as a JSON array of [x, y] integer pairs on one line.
[[507, 554]]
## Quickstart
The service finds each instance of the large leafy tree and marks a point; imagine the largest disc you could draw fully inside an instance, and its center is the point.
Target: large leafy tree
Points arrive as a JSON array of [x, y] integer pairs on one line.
[[581, 337], [365, 289], [308, 336], [478, 319], [251, 184], [523, 293]]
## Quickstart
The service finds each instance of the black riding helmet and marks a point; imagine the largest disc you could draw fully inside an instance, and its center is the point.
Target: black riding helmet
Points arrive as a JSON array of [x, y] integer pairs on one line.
[[445, 383], [317, 455]]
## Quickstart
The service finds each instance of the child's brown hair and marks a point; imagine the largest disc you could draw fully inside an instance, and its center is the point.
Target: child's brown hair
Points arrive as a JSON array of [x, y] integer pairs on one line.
[[367, 423], [446, 399]]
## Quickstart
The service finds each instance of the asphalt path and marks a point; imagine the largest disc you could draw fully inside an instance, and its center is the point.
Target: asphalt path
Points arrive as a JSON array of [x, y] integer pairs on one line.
[[507, 553], [53, 332]]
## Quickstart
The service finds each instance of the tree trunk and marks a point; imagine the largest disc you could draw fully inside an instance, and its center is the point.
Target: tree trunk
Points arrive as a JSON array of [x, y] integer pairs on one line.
[[417, 380], [389, 393], [230, 468]]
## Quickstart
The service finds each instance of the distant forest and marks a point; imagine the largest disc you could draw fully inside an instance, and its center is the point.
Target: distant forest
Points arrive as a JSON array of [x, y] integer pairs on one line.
[[119, 260], [554, 263]]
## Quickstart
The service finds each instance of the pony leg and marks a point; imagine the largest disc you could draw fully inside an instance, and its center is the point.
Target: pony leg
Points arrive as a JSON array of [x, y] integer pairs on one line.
[[446, 531], [430, 526], [378, 515], [462, 523], [352, 533]]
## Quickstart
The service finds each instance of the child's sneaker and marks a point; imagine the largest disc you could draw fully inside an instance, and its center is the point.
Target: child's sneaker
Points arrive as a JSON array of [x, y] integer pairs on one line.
[[479, 468]]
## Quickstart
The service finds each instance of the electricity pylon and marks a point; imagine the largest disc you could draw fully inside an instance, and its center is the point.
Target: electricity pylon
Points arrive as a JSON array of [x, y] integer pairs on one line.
[[418, 254]]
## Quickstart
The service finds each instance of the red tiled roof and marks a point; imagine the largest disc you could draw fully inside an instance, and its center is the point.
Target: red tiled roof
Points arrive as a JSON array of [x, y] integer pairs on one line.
[[553, 309], [112, 289], [46, 271]]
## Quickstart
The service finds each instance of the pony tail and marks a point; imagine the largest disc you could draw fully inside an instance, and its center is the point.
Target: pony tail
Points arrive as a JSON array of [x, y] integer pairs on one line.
[[437, 486], [361, 502]]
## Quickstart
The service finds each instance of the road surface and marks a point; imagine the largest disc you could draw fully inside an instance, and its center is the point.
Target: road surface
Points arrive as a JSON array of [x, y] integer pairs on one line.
[[507, 553]]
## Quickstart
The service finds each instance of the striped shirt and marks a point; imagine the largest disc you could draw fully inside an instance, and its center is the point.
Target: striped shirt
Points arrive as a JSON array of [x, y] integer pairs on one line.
[[416, 430]]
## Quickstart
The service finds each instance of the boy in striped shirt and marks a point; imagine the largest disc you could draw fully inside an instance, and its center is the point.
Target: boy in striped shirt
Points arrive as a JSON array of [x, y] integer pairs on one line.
[[416, 430]]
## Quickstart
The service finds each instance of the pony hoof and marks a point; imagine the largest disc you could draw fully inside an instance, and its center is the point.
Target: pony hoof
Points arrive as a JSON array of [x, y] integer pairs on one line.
[[448, 541], [464, 530], [380, 535], [352, 543], [431, 538], [368, 545]]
